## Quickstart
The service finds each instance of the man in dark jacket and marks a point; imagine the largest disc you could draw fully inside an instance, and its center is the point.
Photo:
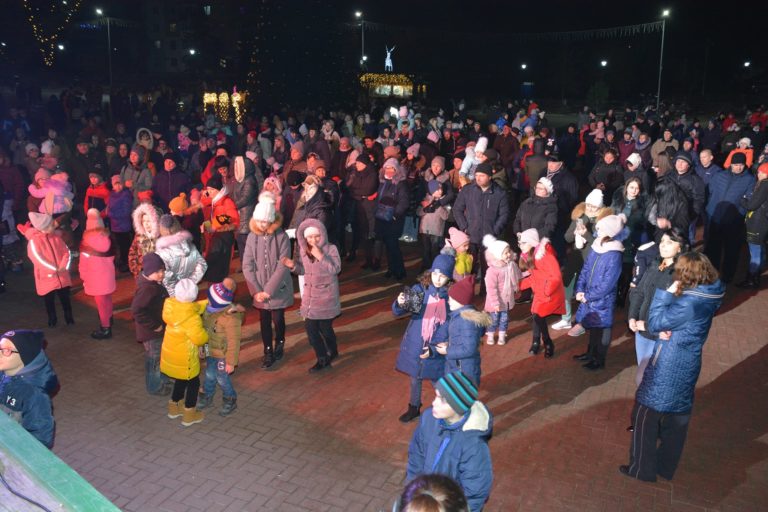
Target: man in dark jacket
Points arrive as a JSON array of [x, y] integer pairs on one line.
[[568, 146], [81, 165], [169, 184], [507, 145], [726, 234], [147, 310], [686, 178], [362, 185], [481, 209], [536, 164], [607, 175], [566, 192]]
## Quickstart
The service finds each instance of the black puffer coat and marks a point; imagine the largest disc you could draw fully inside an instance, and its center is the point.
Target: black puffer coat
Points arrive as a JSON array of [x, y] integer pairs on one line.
[[537, 212], [757, 213]]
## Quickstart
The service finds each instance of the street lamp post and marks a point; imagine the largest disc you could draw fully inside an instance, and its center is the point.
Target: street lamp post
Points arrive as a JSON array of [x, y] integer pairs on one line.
[[359, 15], [100, 12], [664, 16]]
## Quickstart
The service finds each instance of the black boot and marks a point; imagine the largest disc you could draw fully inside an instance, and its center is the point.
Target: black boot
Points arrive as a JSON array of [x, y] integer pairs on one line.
[[321, 364], [376, 264], [51, 310], [103, 333], [228, 407], [279, 349], [68, 314], [752, 282], [411, 414], [269, 358], [549, 349], [535, 347]]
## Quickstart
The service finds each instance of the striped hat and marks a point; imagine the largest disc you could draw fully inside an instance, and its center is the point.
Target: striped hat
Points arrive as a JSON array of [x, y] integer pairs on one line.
[[219, 297], [458, 390]]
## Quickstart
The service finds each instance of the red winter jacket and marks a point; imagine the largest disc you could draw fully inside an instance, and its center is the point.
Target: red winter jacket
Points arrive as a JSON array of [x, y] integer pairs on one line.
[[546, 280]]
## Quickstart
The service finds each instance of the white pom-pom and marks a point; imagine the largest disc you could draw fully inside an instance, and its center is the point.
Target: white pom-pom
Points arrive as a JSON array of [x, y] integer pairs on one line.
[[488, 240]]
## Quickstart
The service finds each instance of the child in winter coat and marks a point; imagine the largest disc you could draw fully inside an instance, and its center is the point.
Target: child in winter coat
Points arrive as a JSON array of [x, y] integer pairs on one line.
[[223, 322], [119, 207], [51, 258], [97, 194], [427, 327], [269, 281], [181, 258], [459, 241], [319, 262], [184, 333], [190, 214], [146, 308], [452, 439], [596, 289], [97, 270], [465, 329], [221, 221], [56, 200], [27, 381], [538, 258], [146, 225], [502, 282], [432, 225]]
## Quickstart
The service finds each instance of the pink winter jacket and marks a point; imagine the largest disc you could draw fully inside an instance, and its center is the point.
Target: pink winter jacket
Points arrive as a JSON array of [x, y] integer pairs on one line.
[[97, 263], [498, 272], [51, 258]]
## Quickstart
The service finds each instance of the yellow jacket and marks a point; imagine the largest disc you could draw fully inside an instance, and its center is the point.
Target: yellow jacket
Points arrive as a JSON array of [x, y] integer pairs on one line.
[[184, 332]]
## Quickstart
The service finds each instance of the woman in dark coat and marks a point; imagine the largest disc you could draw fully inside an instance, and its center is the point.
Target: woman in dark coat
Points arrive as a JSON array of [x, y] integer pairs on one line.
[[682, 314], [757, 227], [658, 276], [596, 290], [391, 204], [629, 201], [538, 211], [244, 191], [608, 174]]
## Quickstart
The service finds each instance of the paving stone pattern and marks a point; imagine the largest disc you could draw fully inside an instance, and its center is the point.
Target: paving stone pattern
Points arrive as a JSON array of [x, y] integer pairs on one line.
[[332, 442]]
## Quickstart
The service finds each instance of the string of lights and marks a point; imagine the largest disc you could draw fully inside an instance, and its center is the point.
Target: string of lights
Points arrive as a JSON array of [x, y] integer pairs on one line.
[[46, 40]]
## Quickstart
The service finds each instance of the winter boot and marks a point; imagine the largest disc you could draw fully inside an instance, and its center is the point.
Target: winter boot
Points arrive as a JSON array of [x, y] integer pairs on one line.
[[191, 416], [321, 364], [269, 358], [103, 333], [549, 349], [411, 414], [279, 349], [204, 400], [535, 347], [175, 409], [376, 264], [502, 338], [228, 407], [68, 318], [489, 340]]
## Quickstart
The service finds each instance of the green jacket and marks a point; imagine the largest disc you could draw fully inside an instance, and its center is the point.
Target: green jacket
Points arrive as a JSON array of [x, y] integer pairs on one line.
[[224, 332]]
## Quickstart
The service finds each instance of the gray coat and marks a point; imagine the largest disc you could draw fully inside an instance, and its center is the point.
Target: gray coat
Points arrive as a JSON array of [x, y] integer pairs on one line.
[[320, 298], [262, 268], [181, 258], [244, 191]]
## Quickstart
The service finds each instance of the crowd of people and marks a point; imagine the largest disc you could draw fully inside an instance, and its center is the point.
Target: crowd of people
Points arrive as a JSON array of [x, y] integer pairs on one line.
[[507, 210]]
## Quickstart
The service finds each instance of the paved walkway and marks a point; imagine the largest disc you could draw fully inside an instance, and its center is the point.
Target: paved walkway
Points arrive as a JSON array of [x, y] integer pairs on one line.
[[333, 442]]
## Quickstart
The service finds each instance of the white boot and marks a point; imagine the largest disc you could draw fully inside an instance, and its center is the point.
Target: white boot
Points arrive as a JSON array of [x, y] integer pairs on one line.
[[502, 338], [489, 339]]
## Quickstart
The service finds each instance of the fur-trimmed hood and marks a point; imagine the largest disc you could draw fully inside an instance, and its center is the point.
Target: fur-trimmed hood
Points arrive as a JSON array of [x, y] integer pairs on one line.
[[541, 249], [581, 209], [601, 247], [480, 318], [154, 215], [311, 223], [175, 239], [277, 224], [399, 171]]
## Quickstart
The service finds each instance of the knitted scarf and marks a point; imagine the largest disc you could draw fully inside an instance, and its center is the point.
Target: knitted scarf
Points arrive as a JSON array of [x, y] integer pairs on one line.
[[434, 316]]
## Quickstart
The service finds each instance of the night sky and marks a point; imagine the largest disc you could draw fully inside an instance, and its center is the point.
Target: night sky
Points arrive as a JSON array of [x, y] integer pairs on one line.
[[309, 49]]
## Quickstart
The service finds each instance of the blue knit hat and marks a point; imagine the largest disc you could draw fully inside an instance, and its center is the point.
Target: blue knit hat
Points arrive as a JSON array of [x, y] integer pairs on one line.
[[444, 263], [219, 297], [458, 390]]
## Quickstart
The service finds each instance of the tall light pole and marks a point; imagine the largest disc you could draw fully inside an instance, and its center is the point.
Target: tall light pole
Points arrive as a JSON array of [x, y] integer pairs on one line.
[[359, 15], [100, 12], [664, 15]]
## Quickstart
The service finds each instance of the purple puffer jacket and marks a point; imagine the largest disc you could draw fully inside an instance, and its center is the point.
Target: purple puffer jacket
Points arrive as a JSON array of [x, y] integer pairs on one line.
[[119, 211], [320, 297]]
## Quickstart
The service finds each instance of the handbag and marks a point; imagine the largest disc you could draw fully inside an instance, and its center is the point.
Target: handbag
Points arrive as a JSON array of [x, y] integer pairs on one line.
[[384, 212], [414, 299]]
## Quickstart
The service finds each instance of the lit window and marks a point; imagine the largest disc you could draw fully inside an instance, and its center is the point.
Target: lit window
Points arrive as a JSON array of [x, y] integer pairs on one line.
[[158, 44], [207, 10]]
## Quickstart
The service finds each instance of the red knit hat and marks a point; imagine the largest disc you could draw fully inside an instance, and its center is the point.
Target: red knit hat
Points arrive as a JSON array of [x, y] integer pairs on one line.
[[463, 291]]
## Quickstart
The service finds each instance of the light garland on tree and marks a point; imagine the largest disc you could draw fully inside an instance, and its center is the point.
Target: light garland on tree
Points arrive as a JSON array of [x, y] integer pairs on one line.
[[47, 43], [238, 102], [209, 99], [222, 107]]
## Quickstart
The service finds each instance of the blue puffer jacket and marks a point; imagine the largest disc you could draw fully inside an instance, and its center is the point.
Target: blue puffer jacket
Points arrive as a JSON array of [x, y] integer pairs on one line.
[[408, 360], [459, 451], [465, 329], [26, 397], [725, 192], [598, 280], [670, 377]]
